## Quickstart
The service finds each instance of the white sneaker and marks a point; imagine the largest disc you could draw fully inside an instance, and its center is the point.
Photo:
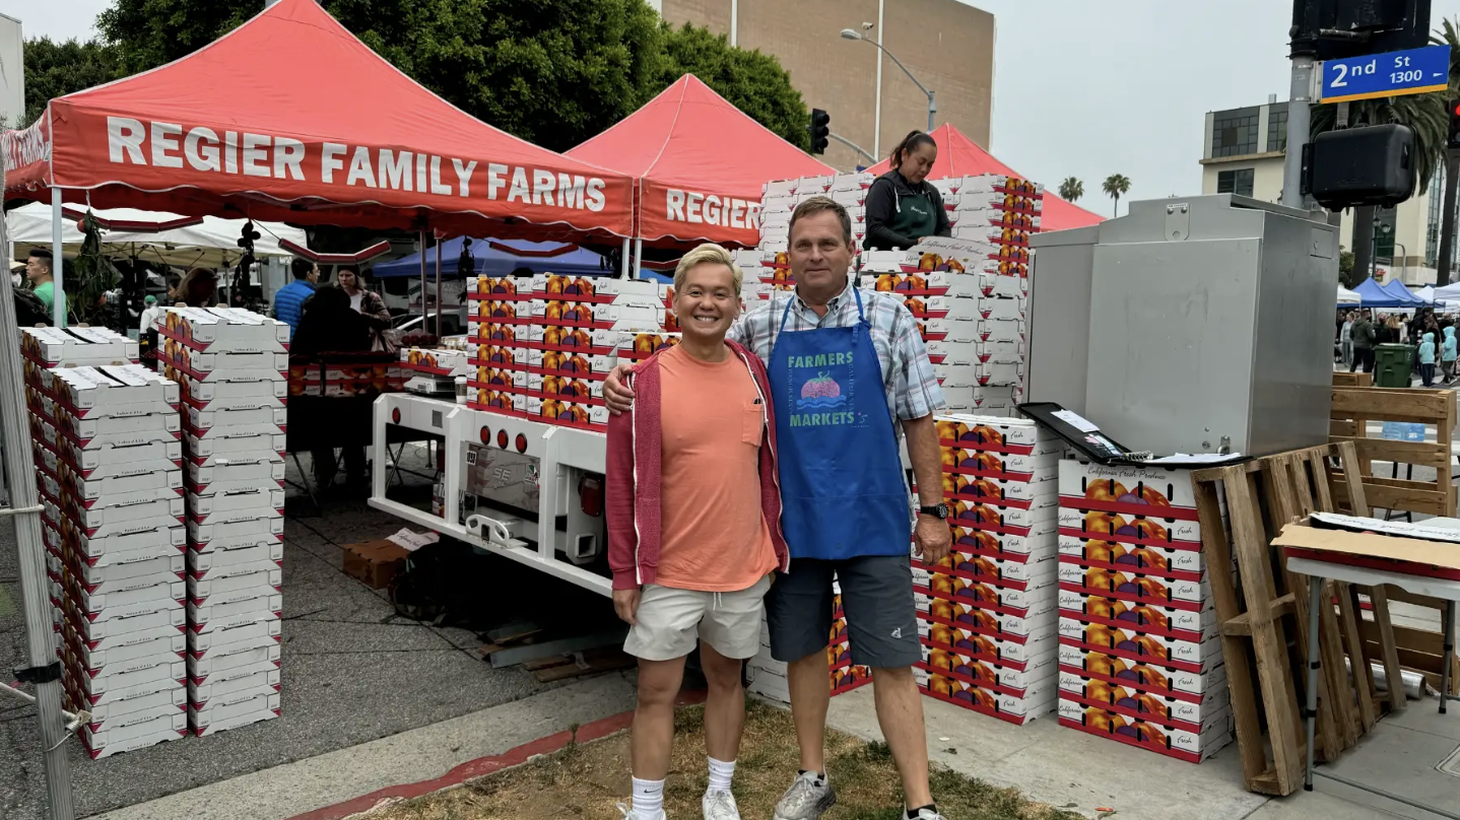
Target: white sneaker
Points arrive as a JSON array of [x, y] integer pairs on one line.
[[807, 799], [630, 814], [718, 805], [928, 814]]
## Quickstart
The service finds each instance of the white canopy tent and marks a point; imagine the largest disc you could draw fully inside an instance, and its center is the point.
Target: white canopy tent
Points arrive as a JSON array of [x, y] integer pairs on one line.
[[209, 243], [1449, 294], [1348, 297]]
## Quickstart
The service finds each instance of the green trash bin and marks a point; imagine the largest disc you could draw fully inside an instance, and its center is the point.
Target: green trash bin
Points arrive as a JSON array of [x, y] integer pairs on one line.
[[1393, 364]]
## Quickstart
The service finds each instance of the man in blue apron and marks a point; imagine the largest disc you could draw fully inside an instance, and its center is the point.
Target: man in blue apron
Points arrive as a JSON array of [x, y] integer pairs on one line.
[[847, 370]]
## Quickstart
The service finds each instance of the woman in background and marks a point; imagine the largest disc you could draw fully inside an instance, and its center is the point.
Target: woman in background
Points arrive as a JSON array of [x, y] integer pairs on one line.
[[198, 288], [1346, 339], [329, 325], [902, 206]]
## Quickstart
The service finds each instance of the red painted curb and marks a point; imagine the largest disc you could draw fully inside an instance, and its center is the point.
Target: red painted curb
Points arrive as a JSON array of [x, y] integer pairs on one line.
[[486, 765]]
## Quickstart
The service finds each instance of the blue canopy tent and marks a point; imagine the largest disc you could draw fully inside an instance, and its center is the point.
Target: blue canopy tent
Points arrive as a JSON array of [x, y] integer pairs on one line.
[[1375, 296], [1397, 289], [501, 258]]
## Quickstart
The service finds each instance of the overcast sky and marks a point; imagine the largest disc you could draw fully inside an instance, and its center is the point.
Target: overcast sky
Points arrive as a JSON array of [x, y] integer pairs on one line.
[[1083, 88]]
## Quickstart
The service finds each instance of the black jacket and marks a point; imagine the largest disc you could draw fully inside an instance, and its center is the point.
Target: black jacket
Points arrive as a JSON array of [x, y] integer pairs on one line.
[[882, 204]]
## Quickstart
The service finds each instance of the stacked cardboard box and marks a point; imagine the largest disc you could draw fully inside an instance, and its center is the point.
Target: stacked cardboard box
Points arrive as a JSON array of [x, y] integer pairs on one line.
[[105, 438], [1140, 658], [768, 267], [232, 367], [767, 676], [541, 346], [987, 613]]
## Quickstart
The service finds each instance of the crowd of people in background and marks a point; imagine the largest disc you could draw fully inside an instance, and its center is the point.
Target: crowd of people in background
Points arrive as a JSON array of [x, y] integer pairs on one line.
[[1359, 332]]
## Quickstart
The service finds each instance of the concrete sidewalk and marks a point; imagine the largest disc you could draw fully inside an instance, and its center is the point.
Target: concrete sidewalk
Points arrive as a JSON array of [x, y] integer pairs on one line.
[[420, 755], [1072, 770]]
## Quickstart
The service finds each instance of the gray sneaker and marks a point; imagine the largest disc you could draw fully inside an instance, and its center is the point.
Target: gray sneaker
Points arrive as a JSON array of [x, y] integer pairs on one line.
[[719, 806], [807, 799]]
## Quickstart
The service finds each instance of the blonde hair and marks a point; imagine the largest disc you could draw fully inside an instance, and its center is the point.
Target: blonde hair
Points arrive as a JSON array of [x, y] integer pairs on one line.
[[707, 254]]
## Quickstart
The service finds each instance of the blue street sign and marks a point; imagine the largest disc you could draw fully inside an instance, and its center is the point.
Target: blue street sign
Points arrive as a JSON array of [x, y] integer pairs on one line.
[[1416, 71]]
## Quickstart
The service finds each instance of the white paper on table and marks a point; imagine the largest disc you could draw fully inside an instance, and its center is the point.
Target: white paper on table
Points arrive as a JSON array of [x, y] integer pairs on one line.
[[1076, 421], [1198, 458], [412, 541]]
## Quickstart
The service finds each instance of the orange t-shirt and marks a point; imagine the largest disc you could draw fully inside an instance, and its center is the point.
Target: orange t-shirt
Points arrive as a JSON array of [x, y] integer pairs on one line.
[[715, 534]]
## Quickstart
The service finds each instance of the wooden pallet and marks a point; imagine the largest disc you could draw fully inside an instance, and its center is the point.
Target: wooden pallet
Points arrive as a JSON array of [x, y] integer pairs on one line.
[[1264, 605], [1420, 650], [1341, 379]]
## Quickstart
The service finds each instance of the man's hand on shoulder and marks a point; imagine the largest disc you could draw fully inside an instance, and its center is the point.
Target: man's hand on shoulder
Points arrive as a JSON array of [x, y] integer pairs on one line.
[[616, 392]]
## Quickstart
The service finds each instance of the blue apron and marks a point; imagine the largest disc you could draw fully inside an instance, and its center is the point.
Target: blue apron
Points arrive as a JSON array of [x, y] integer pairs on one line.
[[841, 475]]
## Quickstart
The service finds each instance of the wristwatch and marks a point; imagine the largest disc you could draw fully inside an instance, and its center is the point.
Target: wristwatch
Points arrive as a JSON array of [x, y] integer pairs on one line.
[[939, 511]]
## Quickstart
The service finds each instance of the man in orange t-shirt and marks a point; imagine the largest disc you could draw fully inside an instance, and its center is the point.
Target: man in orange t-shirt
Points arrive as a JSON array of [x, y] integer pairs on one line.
[[694, 527]]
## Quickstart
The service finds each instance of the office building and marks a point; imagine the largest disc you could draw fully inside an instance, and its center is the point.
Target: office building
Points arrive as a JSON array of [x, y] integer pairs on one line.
[[948, 45], [1243, 153]]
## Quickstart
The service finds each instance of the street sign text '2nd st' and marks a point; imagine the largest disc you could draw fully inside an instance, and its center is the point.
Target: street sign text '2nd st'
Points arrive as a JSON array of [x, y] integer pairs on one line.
[[1416, 71]]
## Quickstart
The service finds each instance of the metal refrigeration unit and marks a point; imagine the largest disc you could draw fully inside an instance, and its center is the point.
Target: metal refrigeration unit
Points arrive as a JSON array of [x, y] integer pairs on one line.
[[1189, 325]]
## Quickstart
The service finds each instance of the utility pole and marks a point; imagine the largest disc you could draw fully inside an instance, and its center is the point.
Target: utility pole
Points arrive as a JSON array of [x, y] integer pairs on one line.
[[1300, 109]]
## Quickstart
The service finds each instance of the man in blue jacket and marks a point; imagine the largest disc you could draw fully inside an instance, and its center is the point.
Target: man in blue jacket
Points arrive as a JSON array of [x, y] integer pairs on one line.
[[289, 301]]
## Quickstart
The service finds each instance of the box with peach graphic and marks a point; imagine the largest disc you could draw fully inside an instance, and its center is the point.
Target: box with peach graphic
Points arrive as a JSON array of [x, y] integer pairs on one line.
[[553, 286], [572, 365], [498, 288], [499, 334], [993, 434], [964, 460], [936, 307], [1169, 533], [637, 346], [1012, 574], [1017, 654], [1131, 645], [1001, 492], [1036, 543], [1001, 519], [1145, 619], [1183, 565], [1155, 492], [957, 330], [583, 391], [493, 378], [1000, 625], [1008, 708], [978, 212], [1145, 676], [1133, 587], [1168, 712], [959, 612], [498, 401], [224, 330], [1192, 747], [438, 362], [998, 677], [989, 594], [502, 356], [567, 413]]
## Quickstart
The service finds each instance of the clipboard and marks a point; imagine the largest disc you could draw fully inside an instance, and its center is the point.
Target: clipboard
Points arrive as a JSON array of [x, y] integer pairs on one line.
[[1093, 445]]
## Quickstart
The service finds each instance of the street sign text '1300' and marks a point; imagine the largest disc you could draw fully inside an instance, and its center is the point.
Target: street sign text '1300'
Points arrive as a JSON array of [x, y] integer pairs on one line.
[[1416, 71]]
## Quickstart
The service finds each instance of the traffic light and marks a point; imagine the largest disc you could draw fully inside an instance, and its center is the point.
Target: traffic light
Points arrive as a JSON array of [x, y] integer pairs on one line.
[[1454, 140], [820, 130]]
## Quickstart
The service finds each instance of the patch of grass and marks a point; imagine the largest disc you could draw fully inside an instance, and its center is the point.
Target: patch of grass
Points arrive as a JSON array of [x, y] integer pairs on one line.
[[586, 781]]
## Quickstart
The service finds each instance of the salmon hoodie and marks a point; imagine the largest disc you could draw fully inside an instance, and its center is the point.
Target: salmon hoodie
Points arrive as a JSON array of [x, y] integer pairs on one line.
[[634, 461]]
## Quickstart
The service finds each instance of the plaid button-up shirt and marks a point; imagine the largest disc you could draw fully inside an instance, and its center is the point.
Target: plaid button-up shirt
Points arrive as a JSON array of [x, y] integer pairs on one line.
[[907, 374]]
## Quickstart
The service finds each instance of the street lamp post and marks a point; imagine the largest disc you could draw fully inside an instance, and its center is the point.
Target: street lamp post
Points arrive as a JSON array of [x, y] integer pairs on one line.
[[849, 34]]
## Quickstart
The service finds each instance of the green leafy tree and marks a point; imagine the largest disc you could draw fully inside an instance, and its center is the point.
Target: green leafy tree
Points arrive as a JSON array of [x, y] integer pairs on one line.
[[55, 69], [1116, 186], [753, 82], [1427, 114], [551, 73], [1072, 189], [1345, 267]]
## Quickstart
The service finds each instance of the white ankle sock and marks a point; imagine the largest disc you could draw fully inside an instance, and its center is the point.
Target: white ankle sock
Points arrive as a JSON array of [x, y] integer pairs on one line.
[[648, 798], [721, 773]]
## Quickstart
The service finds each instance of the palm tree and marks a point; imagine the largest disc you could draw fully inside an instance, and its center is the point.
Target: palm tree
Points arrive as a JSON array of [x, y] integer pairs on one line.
[[1448, 35], [1427, 114], [1116, 185], [1072, 189]]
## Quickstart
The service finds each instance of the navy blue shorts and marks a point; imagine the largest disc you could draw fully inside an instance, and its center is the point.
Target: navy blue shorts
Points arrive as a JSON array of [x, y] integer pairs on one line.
[[877, 598]]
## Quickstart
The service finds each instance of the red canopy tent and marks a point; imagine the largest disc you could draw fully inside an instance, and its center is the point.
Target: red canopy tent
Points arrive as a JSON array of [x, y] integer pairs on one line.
[[290, 118], [960, 156], [699, 162]]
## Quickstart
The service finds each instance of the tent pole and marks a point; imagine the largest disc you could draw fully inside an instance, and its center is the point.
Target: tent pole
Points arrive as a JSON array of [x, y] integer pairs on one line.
[[58, 254], [24, 512], [425, 317], [623, 267], [438, 288], [638, 258]]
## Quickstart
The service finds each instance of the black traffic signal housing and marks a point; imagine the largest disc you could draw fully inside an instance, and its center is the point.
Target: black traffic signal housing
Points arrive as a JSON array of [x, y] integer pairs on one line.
[[820, 130], [1354, 167], [1453, 142], [1335, 29]]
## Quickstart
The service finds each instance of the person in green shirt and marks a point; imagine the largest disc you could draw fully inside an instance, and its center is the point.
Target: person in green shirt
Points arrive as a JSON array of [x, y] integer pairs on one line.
[[38, 272]]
